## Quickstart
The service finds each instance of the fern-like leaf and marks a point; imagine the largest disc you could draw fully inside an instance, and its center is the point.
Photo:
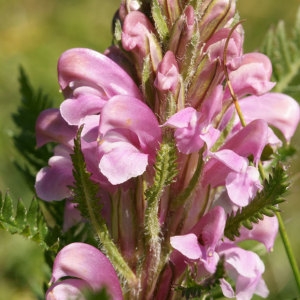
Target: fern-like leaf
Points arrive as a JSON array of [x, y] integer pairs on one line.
[[284, 53], [29, 223], [32, 103], [264, 204]]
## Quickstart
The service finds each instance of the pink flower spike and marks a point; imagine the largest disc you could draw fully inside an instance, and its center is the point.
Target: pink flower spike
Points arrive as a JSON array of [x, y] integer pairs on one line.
[[85, 262]]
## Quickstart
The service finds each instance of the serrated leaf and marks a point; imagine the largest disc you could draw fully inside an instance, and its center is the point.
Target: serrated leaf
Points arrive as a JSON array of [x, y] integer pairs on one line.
[[32, 103], [7, 209], [21, 213], [30, 224], [284, 52], [265, 203]]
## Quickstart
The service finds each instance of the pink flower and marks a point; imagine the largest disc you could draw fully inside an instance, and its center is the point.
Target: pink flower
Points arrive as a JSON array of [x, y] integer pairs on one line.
[[205, 246], [229, 166], [241, 181], [265, 231], [201, 243], [51, 127], [167, 77], [246, 269], [278, 110], [251, 75], [89, 269], [129, 137], [52, 182], [194, 129], [88, 79], [138, 37]]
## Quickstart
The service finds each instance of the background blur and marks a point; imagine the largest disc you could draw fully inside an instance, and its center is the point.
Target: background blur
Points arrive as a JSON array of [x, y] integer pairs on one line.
[[33, 33]]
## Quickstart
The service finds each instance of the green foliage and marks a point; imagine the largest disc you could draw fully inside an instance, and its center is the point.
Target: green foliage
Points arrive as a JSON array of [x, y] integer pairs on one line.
[[264, 204], [160, 21], [284, 52], [29, 223], [32, 103]]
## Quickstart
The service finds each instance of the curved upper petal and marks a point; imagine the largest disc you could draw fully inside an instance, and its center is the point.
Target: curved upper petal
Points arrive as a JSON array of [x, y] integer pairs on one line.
[[91, 68], [136, 118], [279, 110], [252, 76], [86, 262]]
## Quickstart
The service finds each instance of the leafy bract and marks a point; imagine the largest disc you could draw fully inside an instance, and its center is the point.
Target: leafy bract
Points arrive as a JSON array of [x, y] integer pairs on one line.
[[264, 204]]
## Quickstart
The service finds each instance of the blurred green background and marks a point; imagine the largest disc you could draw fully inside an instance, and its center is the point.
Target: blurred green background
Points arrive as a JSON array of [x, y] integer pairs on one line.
[[33, 33]]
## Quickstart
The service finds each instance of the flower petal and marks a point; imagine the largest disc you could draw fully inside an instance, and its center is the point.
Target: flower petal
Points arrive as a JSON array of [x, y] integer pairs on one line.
[[52, 182], [187, 245], [68, 289], [122, 163], [51, 127], [91, 68], [86, 262]]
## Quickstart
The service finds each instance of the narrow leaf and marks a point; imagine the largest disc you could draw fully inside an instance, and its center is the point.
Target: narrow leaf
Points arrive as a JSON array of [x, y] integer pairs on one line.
[[160, 21], [283, 49]]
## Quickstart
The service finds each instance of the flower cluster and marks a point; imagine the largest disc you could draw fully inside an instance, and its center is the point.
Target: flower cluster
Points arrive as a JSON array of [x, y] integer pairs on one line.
[[174, 119]]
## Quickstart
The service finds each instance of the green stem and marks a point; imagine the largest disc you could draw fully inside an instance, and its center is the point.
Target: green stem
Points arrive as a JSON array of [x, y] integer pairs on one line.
[[86, 197], [288, 250]]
